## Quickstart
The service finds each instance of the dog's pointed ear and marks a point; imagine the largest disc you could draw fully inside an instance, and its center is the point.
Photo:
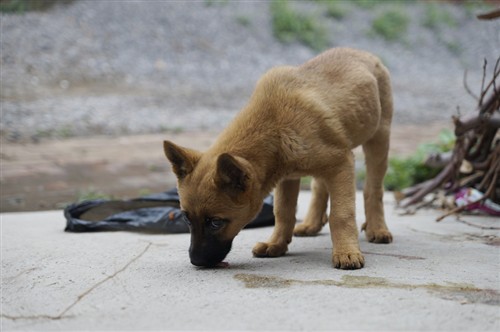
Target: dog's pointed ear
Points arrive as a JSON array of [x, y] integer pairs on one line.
[[183, 160], [231, 175]]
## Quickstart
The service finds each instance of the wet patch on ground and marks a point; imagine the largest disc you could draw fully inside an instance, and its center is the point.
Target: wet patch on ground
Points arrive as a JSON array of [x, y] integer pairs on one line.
[[463, 293], [488, 239]]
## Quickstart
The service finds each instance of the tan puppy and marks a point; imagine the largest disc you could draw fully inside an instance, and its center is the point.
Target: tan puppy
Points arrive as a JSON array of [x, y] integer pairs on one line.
[[299, 121]]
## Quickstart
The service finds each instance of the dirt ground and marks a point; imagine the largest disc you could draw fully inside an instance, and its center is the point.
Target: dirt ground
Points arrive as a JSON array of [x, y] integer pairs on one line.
[[50, 174]]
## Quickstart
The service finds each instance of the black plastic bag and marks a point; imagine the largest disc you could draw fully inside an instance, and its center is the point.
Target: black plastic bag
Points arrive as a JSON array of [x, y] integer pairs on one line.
[[156, 213]]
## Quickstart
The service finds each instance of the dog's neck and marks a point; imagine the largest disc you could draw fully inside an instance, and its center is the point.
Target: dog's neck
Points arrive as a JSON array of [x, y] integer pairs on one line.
[[257, 142]]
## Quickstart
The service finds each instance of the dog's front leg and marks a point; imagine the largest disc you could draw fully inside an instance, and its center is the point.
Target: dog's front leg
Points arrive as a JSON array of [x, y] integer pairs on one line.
[[342, 219], [285, 203]]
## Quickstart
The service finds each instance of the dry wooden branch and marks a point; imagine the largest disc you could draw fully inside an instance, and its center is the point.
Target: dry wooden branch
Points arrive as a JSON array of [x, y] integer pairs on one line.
[[491, 15], [477, 147], [466, 86], [438, 160]]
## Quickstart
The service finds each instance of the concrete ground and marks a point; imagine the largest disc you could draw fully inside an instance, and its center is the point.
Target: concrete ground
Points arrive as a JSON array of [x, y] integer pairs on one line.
[[435, 276]]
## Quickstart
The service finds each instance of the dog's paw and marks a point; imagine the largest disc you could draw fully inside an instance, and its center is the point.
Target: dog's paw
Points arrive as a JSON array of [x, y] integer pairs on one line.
[[348, 260], [377, 236], [304, 229], [264, 249]]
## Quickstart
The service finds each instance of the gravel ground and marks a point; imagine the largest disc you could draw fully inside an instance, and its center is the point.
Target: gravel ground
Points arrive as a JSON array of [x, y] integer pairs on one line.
[[129, 67]]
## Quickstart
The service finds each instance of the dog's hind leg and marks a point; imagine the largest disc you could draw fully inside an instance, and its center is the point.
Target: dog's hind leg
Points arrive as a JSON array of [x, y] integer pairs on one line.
[[285, 203], [376, 151], [316, 216]]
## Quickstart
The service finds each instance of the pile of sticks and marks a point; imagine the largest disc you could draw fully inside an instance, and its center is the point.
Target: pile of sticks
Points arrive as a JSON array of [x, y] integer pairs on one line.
[[475, 159]]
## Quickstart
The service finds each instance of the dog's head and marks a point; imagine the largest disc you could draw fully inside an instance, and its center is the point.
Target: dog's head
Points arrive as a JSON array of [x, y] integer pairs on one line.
[[218, 195]]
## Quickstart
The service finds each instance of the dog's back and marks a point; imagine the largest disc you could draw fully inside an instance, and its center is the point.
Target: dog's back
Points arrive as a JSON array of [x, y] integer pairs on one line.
[[336, 99]]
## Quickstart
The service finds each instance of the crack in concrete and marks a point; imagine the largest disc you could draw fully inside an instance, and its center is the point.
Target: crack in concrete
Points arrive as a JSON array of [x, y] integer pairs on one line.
[[11, 279], [476, 225], [394, 255], [82, 295]]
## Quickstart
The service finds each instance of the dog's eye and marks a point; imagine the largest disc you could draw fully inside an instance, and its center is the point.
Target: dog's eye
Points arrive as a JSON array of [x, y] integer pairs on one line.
[[215, 223]]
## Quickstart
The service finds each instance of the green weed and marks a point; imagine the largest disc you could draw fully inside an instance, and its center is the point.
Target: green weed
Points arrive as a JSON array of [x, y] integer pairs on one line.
[[405, 172], [243, 20], [289, 26], [305, 182], [21, 6], [436, 15], [144, 192], [92, 194], [174, 130], [367, 4], [13, 6], [454, 47], [392, 24], [474, 7], [44, 133], [65, 132], [336, 9], [210, 3]]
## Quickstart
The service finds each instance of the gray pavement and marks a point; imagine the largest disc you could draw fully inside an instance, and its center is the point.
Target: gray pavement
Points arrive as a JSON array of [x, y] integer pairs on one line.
[[435, 276]]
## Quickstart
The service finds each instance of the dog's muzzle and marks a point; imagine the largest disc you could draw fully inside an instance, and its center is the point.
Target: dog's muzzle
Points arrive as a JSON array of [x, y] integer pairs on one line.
[[209, 252]]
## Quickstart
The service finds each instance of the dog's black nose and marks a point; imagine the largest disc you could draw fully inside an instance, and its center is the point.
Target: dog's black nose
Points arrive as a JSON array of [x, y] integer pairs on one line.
[[209, 254], [207, 258]]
